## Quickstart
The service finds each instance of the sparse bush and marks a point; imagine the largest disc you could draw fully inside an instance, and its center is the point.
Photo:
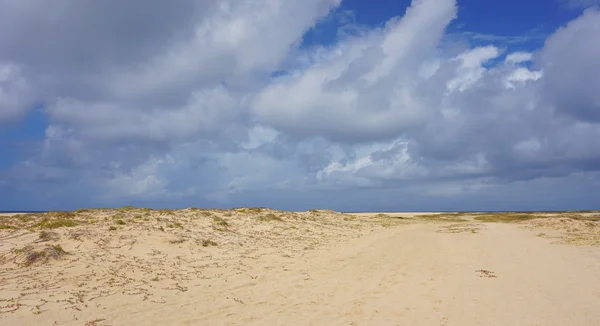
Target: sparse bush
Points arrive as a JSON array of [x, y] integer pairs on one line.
[[112, 228], [47, 223], [120, 222], [42, 256], [6, 227]]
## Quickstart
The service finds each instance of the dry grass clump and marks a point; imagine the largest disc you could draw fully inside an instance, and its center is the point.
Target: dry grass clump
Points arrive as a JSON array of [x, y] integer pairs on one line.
[[511, 217], [270, 218], [208, 243], [47, 223], [381, 215], [575, 231], [507, 217], [250, 210], [28, 255], [220, 221], [6, 227], [445, 217], [48, 236], [61, 215], [460, 228], [44, 255]]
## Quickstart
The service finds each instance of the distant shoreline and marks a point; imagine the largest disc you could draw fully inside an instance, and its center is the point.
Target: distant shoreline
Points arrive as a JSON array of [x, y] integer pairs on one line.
[[346, 212]]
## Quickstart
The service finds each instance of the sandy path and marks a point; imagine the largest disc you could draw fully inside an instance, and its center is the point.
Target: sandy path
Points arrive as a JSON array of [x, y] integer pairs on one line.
[[407, 275]]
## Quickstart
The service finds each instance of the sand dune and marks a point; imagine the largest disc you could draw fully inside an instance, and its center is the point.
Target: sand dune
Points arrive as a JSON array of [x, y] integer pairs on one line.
[[265, 267]]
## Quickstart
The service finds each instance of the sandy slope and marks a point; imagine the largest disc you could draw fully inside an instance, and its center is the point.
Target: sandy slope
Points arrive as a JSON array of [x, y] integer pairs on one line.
[[413, 275], [410, 273]]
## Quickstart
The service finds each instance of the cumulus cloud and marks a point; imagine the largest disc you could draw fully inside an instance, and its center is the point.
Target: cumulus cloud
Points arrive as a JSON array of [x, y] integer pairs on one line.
[[362, 89], [570, 60], [15, 94], [215, 103]]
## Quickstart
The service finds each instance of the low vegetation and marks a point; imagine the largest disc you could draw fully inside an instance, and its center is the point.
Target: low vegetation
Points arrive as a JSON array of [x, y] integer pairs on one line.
[[43, 255], [220, 221], [47, 223], [270, 218], [48, 236], [208, 243]]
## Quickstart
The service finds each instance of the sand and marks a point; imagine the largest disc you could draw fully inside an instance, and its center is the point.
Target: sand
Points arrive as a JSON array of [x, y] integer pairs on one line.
[[314, 268]]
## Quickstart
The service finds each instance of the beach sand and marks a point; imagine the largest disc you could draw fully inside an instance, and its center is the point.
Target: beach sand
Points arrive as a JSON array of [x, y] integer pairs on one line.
[[263, 267]]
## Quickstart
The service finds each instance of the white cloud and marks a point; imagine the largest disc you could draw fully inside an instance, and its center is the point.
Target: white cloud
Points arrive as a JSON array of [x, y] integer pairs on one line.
[[518, 57], [363, 88], [570, 62], [15, 93], [471, 70], [189, 110], [520, 75]]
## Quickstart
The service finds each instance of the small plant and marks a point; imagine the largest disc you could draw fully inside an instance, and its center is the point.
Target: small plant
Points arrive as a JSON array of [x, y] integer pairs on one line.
[[112, 228], [220, 221], [162, 229], [177, 241], [94, 322], [6, 227], [207, 243], [58, 248], [54, 252], [49, 236], [120, 222], [155, 279], [22, 250]]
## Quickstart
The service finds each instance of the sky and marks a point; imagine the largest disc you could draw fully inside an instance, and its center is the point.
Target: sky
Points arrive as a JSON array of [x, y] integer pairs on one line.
[[351, 105]]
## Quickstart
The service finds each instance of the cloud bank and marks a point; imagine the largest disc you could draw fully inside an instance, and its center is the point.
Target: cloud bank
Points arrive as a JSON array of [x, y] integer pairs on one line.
[[215, 103]]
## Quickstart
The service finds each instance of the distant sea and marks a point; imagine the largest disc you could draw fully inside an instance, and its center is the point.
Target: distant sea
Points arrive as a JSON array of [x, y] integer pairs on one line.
[[8, 212]]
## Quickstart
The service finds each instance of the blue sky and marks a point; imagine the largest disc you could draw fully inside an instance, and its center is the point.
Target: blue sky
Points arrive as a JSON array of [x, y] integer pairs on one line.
[[350, 105]]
